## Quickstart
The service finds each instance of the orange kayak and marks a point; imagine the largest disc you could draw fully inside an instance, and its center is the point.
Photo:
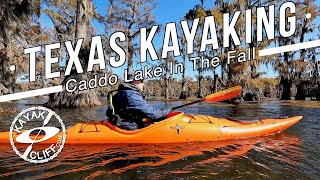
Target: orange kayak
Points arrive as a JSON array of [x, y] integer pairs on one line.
[[178, 127]]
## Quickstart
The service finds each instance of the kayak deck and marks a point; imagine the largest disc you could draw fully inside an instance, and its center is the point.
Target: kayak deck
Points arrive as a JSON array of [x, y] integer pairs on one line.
[[178, 127]]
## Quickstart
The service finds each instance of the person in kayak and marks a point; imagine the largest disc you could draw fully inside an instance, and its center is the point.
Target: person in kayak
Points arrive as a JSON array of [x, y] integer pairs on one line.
[[127, 107]]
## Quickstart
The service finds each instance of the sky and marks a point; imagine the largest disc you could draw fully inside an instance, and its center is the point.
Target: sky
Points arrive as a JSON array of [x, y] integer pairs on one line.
[[166, 12]]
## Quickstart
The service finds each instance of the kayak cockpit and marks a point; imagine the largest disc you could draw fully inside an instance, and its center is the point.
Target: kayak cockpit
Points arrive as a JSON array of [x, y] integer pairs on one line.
[[170, 117]]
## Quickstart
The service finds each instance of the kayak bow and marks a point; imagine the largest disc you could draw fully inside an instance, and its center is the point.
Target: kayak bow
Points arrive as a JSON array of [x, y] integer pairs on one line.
[[178, 127]]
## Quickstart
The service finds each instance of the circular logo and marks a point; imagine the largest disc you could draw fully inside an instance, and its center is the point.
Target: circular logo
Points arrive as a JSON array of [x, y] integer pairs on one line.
[[34, 127]]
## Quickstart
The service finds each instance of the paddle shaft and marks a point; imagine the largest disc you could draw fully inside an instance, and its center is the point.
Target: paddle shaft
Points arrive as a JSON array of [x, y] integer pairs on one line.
[[45, 122], [183, 105], [218, 96]]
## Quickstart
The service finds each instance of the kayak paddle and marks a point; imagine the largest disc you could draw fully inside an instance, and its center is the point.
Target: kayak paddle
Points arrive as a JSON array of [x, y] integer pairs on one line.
[[45, 122], [216, 97]]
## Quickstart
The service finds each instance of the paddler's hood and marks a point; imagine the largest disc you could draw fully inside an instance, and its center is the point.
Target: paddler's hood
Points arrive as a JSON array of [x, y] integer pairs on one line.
[[127, 86]]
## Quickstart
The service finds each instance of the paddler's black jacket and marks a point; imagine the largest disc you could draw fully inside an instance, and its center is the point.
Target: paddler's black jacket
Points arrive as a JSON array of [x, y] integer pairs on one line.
[[129, 104]]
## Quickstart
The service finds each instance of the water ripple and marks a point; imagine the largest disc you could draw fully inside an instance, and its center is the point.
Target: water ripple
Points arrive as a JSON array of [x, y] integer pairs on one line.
[[292, 154]]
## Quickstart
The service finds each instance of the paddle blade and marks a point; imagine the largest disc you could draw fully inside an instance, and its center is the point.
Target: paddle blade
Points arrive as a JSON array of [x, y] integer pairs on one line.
[[223, 95]]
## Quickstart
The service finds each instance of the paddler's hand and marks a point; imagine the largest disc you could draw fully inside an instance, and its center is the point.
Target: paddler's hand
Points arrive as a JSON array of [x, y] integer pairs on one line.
[[147, 121]]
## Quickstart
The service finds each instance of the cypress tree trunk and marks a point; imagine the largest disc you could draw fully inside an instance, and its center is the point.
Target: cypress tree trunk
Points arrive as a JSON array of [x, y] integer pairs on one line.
[[318, 92], [166, 96], [183, 94], [316, 76], [300, 87], [86, 98], [215, 80], [130, 54], [7, 77], [166, 80], [286, 81], [200, 94], [300, 92], [286, 86]]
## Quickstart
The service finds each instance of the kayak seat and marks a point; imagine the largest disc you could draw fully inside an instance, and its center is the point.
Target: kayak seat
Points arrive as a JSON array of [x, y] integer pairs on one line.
[[170, 117]]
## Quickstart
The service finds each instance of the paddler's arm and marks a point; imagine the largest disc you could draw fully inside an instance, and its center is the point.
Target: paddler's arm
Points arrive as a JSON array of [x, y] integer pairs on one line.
[[138, 104]]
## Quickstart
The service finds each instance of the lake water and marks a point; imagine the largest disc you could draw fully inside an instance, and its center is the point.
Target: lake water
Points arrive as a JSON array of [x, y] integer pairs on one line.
[[294, 153]]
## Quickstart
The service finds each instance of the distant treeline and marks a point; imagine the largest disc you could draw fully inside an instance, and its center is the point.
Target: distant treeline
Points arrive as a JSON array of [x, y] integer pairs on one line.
[[21, 26]]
